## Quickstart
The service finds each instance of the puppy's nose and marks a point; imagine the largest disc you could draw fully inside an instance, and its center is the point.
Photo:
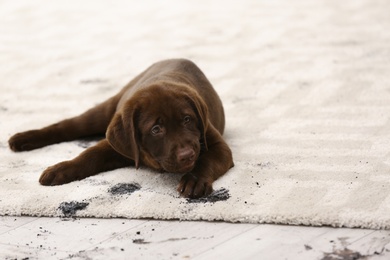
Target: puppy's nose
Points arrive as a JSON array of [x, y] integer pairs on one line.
[[185, 155]]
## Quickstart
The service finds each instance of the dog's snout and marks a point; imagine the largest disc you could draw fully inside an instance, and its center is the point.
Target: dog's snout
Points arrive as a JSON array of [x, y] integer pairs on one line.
[[185, 155]]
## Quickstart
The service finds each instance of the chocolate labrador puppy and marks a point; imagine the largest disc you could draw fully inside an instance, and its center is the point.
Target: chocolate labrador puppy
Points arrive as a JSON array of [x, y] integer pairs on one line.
[[168, 118]]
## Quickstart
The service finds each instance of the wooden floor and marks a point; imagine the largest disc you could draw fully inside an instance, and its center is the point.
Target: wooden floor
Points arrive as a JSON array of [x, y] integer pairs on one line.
[[55, 238]]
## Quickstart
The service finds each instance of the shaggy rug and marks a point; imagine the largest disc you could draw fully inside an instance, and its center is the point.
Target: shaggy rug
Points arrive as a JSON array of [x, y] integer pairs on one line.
[[305, 85]]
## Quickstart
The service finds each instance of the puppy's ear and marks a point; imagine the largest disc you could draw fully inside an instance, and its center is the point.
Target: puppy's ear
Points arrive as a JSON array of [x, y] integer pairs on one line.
[[202, 113], [122, 135]]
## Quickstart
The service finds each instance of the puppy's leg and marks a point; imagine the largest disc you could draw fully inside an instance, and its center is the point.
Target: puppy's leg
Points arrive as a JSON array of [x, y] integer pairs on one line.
[[92, 122], [99, 158], [211, 164]]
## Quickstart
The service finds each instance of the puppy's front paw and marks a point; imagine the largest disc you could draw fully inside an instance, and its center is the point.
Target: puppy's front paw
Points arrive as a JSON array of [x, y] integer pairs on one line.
[[25, 141], [192, 186], [58, 174]]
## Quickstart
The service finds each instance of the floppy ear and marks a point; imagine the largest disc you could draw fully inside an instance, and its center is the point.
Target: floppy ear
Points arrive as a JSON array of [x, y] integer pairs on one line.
[[121, 135], [202, 113]]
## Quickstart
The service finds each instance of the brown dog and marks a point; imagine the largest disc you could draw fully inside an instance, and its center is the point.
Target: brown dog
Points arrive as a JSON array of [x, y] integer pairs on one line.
[[168, 118]]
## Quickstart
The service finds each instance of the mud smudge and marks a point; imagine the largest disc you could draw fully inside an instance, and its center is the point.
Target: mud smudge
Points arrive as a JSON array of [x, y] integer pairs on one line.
[[218, 195], [347, 254], [140, 241], [70, 208], [124, 188]]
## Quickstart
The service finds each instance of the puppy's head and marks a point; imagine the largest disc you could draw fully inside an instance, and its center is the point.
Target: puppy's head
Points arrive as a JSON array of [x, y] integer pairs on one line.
[[163, 127]]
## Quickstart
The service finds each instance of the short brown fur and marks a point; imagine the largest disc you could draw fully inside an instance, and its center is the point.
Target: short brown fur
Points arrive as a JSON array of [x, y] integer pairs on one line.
[[168, 118]]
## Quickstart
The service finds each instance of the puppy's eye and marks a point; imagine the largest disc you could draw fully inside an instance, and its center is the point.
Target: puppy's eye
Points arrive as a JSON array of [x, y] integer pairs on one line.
[[187, 119], [155, 130]]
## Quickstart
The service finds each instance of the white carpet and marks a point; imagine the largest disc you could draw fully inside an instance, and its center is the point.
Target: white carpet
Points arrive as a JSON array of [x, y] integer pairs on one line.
[[305, 84]]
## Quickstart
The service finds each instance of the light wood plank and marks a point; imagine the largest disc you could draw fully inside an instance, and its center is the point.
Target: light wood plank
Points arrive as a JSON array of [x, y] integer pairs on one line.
[[337, 238], [373, 244], [52, 238], [171, 238], [288, 242], [71, 235], [30, 253], [8, 223], [266, 242]]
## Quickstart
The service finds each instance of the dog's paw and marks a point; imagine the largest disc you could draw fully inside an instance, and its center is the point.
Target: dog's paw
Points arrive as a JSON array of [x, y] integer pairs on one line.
[[25, 141], [58, 174], [194, 187]]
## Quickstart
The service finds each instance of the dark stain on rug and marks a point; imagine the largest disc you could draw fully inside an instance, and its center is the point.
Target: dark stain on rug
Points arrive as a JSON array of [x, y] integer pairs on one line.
[[70, 208], [124, 188], [218, 195]]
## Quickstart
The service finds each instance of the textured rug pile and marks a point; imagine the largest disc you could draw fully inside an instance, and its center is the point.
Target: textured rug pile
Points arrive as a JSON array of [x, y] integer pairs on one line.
[[305, 85]]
